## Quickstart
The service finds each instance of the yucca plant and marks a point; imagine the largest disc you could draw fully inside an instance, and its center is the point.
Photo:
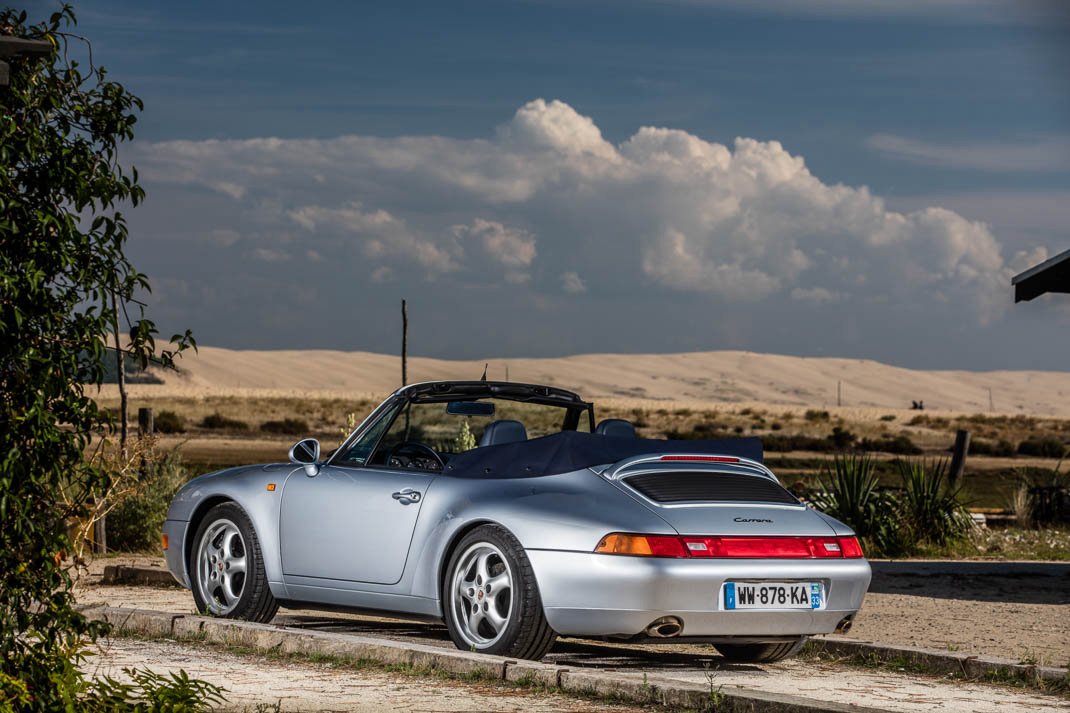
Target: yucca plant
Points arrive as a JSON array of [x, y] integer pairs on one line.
[[849, 491], [931, 507]]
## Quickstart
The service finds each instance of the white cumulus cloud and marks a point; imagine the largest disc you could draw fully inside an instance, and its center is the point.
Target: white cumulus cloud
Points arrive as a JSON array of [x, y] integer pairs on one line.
[[663, 215]]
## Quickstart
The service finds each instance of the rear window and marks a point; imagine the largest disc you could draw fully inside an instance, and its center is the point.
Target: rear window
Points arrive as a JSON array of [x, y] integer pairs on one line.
[[707, 486]]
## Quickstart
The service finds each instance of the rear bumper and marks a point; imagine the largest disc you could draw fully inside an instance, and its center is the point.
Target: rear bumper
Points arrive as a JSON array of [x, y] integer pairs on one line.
[[587, 594]]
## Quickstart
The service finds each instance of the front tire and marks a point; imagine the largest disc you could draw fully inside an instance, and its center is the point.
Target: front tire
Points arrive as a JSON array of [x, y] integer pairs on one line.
[[760, 653], [491, 600], [227, 569]]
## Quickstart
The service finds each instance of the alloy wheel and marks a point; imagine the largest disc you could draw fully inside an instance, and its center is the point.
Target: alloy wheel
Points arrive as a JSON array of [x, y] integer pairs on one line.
[[482, 594], [221, 567]]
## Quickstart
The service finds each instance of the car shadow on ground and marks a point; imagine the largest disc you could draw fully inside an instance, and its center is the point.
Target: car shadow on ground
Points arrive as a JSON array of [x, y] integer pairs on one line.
[[1018, 582], [569, 652]]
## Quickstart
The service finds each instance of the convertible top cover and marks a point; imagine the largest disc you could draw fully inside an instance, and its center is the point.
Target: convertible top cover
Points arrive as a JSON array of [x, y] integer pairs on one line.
[[571, 450]]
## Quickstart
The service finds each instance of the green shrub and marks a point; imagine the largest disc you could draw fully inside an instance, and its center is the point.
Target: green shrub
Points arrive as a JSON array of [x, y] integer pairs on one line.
[[841, 438], [815, 415], [849, 491], [899, 445], [695, 434], [796, 442], [169, 422], [289, 426], [1042, 448], [218, 422], [134, 524], [151, 691], [888, 417], [1002, 448], [932, 512]]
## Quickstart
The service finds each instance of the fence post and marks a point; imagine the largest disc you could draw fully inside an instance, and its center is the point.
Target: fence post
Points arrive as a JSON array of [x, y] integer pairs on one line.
[[958, 456], [146, 425]]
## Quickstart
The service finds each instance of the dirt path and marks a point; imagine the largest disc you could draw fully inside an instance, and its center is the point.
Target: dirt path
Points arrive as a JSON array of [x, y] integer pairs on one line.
[[296, 686]]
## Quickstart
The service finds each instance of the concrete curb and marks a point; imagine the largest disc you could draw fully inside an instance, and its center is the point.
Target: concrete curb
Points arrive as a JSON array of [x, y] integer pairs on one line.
[[132, 574], [630, 688], [939, 661]]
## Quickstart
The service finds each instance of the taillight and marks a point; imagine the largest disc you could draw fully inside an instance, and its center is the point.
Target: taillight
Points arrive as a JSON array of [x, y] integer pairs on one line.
[[740, 547], [852, 548]]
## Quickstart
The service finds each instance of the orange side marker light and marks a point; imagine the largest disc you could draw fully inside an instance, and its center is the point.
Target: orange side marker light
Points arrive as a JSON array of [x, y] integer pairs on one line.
[[163, 540], [271, 487]]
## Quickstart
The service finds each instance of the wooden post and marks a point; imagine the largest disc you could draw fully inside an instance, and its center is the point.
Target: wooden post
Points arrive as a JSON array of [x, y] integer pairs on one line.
[[839, 393], [404, 344], [145, 428], [145, 422], [958, 457]]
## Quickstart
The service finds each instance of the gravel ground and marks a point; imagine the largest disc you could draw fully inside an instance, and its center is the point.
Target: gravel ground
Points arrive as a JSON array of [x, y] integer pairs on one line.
[[1018, 617], [1012, 610]]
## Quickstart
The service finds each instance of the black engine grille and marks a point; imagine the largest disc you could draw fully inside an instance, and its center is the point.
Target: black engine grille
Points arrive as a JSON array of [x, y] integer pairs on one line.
[[710, 487]]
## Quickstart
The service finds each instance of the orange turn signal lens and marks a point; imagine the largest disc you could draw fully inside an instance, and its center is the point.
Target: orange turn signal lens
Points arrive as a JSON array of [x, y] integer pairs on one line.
[[163, 540], [271, 487], [620, 543]]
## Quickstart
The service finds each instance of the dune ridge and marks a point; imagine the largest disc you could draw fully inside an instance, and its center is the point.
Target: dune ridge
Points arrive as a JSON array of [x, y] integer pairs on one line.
[[718, 376]]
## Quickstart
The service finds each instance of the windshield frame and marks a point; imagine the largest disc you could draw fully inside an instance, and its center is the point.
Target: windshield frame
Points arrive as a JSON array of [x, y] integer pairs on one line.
[[445, 392]]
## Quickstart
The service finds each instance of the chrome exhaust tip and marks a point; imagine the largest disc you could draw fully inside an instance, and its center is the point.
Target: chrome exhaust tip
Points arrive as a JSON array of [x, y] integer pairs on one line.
[[665, 628], [845, 624]]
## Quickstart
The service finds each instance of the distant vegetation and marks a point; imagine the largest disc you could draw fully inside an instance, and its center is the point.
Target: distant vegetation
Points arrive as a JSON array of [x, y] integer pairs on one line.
[[286, 426], [1042, 448], [169, 422], [218, 421]]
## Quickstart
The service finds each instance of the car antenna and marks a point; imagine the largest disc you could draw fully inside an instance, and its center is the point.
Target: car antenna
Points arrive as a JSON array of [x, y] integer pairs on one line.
[[484, 377]]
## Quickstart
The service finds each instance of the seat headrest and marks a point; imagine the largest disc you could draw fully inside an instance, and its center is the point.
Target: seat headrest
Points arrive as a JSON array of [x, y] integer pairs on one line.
[[505, 431], [616, 427]]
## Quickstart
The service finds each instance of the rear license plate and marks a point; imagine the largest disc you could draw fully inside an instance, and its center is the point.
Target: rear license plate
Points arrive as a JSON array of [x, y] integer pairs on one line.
[[772, 595]]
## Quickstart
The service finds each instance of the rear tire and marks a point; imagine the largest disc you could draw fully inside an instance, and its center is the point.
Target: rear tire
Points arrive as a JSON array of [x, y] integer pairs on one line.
[[227, 569], [760, 653], [490, 598]]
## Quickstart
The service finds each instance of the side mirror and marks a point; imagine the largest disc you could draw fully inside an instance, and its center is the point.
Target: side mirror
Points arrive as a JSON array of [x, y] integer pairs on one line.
[[307, 453]]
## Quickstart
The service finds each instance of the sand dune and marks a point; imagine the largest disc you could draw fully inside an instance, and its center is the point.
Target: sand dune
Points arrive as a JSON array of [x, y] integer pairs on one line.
[[723, 376]]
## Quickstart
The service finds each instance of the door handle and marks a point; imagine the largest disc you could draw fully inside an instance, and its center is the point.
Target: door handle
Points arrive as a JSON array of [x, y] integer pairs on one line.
[[407, 496]]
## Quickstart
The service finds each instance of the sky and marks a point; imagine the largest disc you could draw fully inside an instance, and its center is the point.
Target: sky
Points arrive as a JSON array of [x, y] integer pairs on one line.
[[850, 178]]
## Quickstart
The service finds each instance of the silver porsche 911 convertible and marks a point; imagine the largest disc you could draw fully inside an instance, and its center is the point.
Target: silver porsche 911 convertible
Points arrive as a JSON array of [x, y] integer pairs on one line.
[[504, 510]]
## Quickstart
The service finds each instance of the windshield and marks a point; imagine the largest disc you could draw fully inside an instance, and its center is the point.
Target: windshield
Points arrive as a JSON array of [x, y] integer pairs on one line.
[[449, 434]]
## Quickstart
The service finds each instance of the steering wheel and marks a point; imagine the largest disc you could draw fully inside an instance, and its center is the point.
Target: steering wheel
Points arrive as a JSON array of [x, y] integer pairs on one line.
[[425, 459]]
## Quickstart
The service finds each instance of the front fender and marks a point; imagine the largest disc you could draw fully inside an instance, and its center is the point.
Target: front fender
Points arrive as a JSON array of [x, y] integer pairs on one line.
[[248, 487]]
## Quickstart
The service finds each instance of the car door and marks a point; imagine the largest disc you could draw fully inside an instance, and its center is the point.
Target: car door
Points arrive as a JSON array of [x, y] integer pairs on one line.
[[350, 524]]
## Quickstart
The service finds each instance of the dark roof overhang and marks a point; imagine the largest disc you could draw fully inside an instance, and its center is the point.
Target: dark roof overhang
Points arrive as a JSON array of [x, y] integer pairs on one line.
[[15, 46], [1049, 276]]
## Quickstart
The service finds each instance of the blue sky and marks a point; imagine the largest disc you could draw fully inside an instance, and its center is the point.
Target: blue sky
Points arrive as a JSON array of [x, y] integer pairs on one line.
[[906, 106]]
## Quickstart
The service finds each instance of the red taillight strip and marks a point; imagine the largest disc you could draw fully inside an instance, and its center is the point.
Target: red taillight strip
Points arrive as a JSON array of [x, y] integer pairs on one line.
[[731, 546], [705, 459]]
